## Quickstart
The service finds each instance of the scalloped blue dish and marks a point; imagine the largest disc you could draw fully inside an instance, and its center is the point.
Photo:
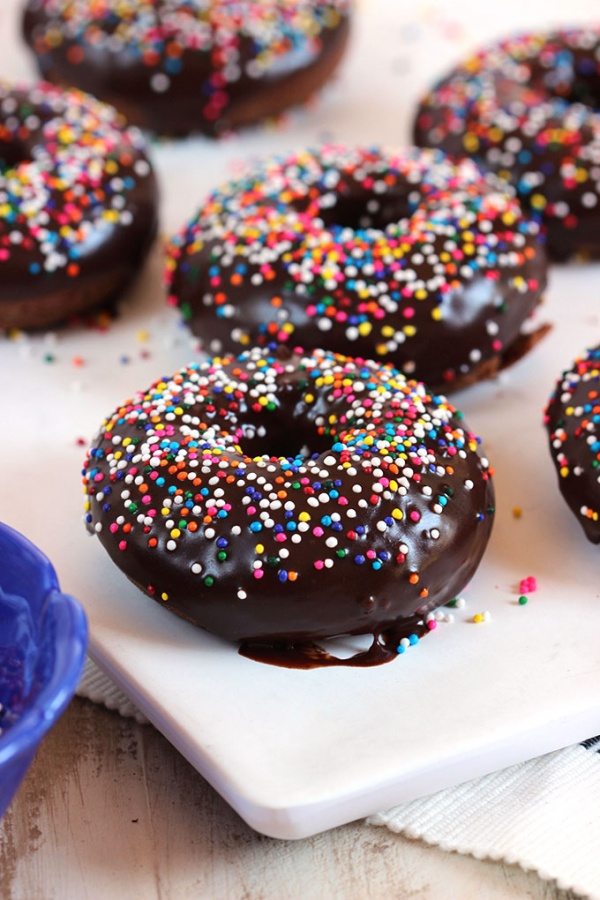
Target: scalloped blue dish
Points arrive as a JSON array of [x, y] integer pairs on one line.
[[43, 639]]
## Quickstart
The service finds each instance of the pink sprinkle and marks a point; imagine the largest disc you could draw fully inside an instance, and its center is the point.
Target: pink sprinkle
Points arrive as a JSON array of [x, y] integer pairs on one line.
[[528, 585], [318, 563], [258, 573], [122, 545], [431, 624]]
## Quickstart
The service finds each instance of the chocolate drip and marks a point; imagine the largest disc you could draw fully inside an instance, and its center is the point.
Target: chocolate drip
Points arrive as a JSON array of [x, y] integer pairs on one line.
[[310, 655]]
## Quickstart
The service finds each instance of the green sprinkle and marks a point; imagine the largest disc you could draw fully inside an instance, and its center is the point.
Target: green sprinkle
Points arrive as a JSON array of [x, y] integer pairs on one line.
[[523, 600]]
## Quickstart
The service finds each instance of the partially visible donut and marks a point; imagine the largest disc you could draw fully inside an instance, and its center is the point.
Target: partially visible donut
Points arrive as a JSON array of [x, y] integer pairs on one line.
[[179, 66], [528, 108], [277, 499], [403, 257], [77, 204], [573, 423]]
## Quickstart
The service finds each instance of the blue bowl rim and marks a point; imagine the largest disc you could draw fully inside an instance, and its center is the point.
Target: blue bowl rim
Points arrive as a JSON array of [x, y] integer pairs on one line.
[[32, 724]]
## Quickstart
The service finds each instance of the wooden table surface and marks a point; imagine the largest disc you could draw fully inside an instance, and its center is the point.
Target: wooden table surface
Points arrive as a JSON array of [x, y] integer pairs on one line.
[[110, 809]]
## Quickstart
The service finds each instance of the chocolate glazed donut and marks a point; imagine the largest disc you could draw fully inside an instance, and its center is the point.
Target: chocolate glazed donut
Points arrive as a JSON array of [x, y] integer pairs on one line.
[[77, 204], [528, 108], [572, 420], [177, 66], [371, 507], [404, 257]]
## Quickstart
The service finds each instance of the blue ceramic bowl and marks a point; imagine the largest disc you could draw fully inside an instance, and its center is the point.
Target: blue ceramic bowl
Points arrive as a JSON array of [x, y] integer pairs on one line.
[[43, 639]]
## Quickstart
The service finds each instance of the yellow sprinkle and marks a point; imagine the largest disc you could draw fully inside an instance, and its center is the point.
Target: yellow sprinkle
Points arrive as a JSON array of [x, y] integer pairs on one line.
[[538, 201]]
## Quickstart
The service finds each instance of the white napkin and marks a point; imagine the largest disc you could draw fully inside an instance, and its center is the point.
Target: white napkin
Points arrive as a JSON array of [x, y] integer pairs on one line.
[[541, 815], [98, 687]]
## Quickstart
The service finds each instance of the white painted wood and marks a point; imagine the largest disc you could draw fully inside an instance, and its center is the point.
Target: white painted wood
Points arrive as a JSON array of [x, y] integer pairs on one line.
[[110, 811]]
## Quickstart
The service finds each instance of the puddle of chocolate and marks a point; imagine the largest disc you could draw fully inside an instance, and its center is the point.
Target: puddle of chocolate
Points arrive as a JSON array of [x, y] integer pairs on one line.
[[311, 655]]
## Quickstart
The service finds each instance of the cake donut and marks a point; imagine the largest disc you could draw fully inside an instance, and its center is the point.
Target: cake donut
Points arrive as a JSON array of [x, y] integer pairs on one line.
[[527, 108], [572, 419], [281, 497], [403, 257], [178, 66], [77, 204]]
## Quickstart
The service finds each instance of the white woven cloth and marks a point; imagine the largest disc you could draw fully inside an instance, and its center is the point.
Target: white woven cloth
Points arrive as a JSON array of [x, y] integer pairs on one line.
[[542, 815], [98, 687]]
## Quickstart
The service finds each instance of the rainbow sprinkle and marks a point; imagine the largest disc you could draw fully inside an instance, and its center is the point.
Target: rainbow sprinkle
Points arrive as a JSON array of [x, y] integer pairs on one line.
[[68, 172], [177, 472], [391, 256]]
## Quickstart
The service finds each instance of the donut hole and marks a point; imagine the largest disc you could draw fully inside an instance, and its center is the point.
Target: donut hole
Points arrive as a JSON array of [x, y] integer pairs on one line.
[[578, 82], [366, 209], [12, 153], [283, 439], [586, 91]]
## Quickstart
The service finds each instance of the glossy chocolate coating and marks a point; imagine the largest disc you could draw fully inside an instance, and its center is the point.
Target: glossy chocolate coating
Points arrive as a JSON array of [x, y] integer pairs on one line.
[[383, 518], [403, 257], [573, 424], [79, 204], [528, 108], [178, 67]]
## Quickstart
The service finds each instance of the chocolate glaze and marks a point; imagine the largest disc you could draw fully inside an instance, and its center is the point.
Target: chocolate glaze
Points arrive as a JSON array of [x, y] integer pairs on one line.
[[177, 67], [572, 420], [381, 518], [528, 108], [404, 257], [79, 209]]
